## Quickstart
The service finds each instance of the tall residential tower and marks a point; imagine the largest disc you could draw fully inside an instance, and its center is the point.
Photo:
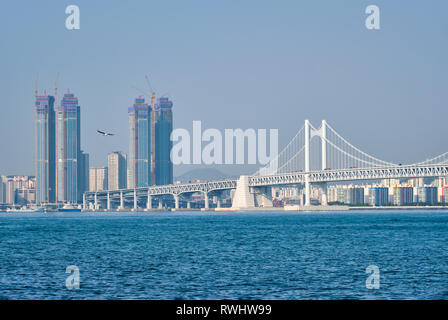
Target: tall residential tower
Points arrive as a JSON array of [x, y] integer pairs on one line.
[[139, 144], [116, 165], [68, 141], [45, 151], [163, 144]]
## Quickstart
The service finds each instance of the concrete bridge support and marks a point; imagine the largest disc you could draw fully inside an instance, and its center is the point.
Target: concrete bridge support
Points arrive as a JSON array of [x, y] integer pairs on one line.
[[324, 194], [108, 201], [135, 199], [176, 201], [121, 200], [149, 202], [206, 200], [96, 202], [263, 197], [243, 199], [84, 203]]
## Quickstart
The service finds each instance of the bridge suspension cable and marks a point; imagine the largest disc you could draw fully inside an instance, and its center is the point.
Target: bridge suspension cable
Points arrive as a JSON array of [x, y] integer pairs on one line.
[[374, 161], [440, 159], [338, 153]]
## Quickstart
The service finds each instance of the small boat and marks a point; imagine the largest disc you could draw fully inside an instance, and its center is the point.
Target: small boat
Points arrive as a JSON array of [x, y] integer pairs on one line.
[[25, 209], [69, 208]]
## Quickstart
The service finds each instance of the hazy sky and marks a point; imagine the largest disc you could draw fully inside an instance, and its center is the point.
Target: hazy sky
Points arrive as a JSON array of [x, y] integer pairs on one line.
[[232, 64]]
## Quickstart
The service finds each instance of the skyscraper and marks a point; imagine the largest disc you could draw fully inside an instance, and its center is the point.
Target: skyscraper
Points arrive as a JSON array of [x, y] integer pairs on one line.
[[97, 179], [163, 144], [83, 175], [68, 141], [2, 190], [45, 151], [117, 170], [139, 144]]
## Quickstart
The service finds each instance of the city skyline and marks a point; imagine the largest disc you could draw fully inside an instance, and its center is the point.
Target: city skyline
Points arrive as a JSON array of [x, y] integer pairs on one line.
[[344, 73]]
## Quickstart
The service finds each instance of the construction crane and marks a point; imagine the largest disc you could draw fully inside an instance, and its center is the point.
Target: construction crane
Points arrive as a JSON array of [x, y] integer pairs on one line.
[[56, 88], [35, 85], [153, 133]]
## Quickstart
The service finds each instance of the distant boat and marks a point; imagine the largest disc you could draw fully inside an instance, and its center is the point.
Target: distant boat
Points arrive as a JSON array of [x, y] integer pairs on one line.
[[25, 209], [69, 208]]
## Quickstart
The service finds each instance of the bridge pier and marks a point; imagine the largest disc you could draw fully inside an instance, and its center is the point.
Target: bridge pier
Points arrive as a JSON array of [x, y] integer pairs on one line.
[[324, 194], [96, 201], [160, 204], [206, 205], [263, 197], [188, 204], [135, 199], [149, 202], [84, 204], [242, 198], [121, 200], [176, 201], [108, 201]]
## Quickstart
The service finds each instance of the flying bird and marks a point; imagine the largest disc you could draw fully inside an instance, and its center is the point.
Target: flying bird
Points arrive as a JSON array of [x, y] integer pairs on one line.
[[104, 133]]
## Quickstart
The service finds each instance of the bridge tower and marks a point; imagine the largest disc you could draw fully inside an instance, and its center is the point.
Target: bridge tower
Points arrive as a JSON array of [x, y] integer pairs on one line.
[[307, 163], [323, 139]]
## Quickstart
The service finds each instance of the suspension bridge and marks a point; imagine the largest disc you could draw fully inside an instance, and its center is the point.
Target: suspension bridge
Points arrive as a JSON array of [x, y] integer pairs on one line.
[[315, 156]]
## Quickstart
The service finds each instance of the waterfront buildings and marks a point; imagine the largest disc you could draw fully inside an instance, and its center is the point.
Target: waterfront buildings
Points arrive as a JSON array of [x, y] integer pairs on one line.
[[68, 144], [346, 194], [17, 190], [97, 179], [117, 170], [163, 144], [83, 174], [379, 196], [427, 195], [403, 196], [139, 162], [2, 190], [45, 152]]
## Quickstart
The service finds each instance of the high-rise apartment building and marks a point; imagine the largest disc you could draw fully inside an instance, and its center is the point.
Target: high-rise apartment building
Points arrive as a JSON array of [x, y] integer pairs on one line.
[[139, 144], [427, 195], [97, 179], [117, 170], [379, 196], [403, 196], [68, 146], [83, 174], [163, 128], [45, 152], [2, 189], [19, 190]]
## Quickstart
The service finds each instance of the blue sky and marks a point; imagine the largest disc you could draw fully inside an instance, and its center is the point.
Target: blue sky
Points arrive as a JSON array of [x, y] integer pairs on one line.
[[232, 64]]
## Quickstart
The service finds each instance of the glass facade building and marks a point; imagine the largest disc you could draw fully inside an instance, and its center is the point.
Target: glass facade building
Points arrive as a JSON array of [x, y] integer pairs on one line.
[[117, 170], [163, 144], [45, 152], [403, 196], [68, 142], [427, 195], [139, 144], [83, 174], [379, 196]]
